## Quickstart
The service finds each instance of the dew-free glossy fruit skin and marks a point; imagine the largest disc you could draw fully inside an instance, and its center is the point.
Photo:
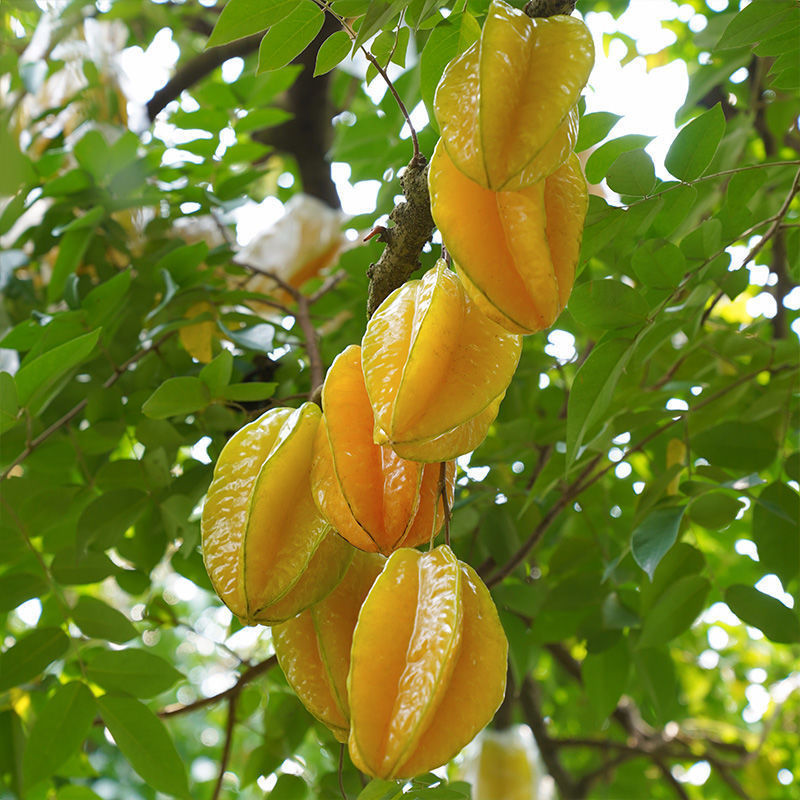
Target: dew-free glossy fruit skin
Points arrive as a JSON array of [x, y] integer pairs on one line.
[[516, 252], [375, 499], [434, 366], [268, 551], [313, 648], [428, 665], [506, 106]]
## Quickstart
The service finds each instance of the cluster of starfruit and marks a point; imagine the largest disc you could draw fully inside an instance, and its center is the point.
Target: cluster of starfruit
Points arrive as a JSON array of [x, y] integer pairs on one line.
[[312, 518], [507, 191]]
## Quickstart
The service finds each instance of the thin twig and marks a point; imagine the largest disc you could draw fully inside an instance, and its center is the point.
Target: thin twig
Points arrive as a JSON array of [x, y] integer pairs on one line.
[[78, 407], [340, 770], [250, 674], [226, 750], [445, 501]]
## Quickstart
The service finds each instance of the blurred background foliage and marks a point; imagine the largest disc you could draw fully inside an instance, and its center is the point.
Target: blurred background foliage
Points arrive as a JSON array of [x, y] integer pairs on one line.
[[634, 509]]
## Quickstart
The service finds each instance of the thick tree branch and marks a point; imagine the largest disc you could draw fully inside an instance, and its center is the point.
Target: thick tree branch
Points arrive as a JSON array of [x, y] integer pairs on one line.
[[197, 68], [412, 228]]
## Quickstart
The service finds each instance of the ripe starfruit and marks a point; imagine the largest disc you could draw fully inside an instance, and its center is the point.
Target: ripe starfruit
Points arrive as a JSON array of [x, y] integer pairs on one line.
[[516, 252], [427, 667], [313, 648], [374, 498], [268, 551], [435, 368], [506, 106]]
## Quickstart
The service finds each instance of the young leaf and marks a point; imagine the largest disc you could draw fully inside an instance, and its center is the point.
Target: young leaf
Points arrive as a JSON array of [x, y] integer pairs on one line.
[[605, 155], [769, 615], [331, 52], [289, 37], [71, 250], [217, 373], [674, 611], [99, 621], [759, 20], [176, 397], [240, 18], [137, 672], [695, 145], [655, 536], [30, 655], [60, 727], [145, 742]]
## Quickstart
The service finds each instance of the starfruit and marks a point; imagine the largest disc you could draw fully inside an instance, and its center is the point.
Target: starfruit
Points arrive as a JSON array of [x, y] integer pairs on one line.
[[374, 498], [506, 106], [313, 648], [428, 664], [435, 368], [267, 550], [516, 252]]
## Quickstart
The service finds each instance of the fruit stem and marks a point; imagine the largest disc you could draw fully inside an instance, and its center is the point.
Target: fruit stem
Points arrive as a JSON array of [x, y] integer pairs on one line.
[[549, 8], [445, 501]]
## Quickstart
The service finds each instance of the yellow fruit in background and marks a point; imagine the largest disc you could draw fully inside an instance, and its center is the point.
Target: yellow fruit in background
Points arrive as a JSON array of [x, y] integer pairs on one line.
[[428, 664], [313, 649], [435, 368], [375, 499], [268, 551], [504, 765], [198, 337], [516, 252], [506, 106]]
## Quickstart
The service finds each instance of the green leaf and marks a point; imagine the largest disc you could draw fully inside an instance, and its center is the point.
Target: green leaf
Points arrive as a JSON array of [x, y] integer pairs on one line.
[[759, 20], [592, 390], [71, 250], [674, 611], [655, 671], [378, 789], [18, 587], [105, 300], [607, 304], [177, 397], [769, 615], [658, 263], [37, 379], [331, 52], [740, 445], [217, 373], [9, 405], [775, 518], [60, 728], [99, 621], [680, 561], [31, 655], [104, 521], [378, 16], [240, 18], [605, 676], [594, 128], [601, 159], [289, 37], [17, 170], [632, 173], [695, 145], [145, 742], [74, 569], [289, 787], [258, 338], [251, 392], [137, 672], [714, 510], [655, 536]]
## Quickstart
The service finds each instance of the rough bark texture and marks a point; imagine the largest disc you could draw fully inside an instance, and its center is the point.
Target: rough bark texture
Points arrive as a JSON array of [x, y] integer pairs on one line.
[[411, 225]]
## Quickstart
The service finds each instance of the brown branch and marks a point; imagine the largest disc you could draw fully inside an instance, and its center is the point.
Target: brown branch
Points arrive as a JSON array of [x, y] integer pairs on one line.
[[413, 227], [226, 749], [197, 68], [671, 779], [250, 674], [78, 407]]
